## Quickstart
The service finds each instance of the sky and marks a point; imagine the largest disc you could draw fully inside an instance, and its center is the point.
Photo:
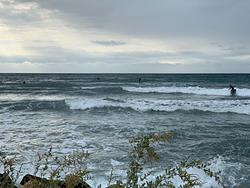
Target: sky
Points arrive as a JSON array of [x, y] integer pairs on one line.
[[125, 36]]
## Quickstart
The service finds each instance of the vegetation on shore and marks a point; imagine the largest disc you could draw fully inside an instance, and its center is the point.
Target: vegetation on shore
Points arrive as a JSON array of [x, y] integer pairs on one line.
[[69, 171]]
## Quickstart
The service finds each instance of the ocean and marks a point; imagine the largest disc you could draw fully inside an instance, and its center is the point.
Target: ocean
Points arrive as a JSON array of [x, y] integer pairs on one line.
[[101, 112]]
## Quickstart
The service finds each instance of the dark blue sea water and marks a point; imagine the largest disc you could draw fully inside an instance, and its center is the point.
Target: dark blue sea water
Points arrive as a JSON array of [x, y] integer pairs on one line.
[[100, 112]]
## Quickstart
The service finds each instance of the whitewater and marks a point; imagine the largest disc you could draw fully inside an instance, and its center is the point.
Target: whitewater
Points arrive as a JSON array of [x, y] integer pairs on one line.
[[99, 113], [189, 90]]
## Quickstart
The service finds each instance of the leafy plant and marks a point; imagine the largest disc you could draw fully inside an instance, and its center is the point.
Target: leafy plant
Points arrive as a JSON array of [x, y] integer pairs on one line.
[[143, 152]]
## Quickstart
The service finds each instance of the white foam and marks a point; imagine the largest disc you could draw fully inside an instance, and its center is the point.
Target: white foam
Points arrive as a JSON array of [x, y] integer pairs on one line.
[[189, 90], [20, 97], [205, 180], [228, 173], [142, 105], [90, 87], [84, 104], [217, 164], [229, 170], [115, 163]]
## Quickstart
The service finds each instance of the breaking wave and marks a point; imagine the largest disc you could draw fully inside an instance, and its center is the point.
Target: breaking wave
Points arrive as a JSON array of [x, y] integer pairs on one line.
[[104, 89], [189, 90], [144, 105], [28, 102]]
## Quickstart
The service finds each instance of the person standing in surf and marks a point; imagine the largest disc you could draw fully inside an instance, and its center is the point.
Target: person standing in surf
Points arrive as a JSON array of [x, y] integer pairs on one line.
[[233, 90], [139, 80]]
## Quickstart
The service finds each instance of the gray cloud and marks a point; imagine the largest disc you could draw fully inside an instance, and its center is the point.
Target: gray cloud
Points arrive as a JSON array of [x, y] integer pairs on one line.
[[109, 42], [223, 24], [212, 19], [20, 13]]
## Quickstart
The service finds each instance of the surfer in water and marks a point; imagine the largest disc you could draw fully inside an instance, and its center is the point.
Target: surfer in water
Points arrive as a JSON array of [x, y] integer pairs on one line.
[[233, 90]]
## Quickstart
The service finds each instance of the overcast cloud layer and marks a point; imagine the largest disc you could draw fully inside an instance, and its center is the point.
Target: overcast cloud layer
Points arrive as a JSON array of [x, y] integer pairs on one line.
[[124, 36]]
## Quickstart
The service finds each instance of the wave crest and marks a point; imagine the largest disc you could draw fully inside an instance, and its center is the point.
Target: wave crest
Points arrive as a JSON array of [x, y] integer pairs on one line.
[[188, 90], [144, 105]]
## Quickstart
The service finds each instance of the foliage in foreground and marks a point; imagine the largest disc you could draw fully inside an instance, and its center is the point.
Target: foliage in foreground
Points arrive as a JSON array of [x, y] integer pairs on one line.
[[50, 171], [70, 170], [143, 152]]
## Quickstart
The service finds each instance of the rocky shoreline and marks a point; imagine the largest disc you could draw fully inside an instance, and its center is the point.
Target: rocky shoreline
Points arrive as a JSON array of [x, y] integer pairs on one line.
[[31, 181]]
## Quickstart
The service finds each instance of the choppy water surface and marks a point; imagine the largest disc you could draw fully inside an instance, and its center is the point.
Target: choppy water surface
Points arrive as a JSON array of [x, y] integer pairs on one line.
[[100, 112]]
